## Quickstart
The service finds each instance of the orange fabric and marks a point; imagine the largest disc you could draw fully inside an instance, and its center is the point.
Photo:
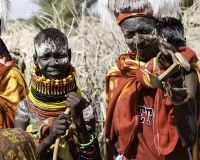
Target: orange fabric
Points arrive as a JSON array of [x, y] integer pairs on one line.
[[123, 85], [6, 114], [13, 89]]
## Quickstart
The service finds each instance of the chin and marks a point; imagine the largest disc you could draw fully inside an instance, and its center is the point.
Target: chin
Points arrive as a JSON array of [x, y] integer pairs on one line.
[[144, 55]]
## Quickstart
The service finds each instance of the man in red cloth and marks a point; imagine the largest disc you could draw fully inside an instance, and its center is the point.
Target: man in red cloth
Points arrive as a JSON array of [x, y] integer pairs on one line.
[[149, 122]]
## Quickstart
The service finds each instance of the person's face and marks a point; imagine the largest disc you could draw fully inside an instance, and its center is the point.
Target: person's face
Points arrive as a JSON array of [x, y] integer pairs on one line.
[[52, 58], [136, 31]]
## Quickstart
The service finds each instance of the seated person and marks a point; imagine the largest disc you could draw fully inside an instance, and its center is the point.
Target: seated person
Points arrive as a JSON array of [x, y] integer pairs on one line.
[[53, 90], [17, 144], [13, 87]]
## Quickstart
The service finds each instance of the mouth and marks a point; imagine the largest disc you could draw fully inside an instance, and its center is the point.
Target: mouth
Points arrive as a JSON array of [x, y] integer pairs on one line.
[[53, 72], [142, 47]]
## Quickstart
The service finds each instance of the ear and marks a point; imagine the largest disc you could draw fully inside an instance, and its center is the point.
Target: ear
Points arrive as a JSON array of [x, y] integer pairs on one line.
[[35, 58], [69, 53]]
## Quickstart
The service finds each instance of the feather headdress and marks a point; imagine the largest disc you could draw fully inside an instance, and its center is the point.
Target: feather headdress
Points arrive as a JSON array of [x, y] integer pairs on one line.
[[121, 9], [4, 10]]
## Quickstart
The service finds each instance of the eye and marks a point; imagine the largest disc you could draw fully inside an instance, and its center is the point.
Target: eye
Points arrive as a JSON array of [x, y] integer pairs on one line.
[[142, 31], [45, 56], [59, 55], [129, 35]]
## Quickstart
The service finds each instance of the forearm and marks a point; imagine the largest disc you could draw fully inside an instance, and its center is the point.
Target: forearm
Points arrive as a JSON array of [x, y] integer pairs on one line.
[[43, 147], [84, 138], [184, 116], [83, 135], [186, 124]]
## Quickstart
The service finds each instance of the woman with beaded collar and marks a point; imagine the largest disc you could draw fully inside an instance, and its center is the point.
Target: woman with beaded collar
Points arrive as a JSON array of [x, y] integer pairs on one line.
[[53, 89], [150, 118]]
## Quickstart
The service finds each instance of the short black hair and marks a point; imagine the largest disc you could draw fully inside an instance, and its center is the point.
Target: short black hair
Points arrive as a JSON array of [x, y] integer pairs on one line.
[[52, 33], [172, 29]]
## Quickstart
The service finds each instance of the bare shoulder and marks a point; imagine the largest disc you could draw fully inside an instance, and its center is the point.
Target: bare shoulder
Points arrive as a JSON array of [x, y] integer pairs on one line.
[[21, 113]]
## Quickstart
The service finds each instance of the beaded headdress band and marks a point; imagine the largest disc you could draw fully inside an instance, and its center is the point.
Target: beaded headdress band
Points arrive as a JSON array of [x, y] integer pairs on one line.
[[121, 9]]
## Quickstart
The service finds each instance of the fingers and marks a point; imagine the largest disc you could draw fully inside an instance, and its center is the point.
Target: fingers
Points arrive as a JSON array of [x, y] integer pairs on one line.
[[163, 50], [61, 124], [165, 58], [167, 45], [62, 121], [73, 99], [71, 96]]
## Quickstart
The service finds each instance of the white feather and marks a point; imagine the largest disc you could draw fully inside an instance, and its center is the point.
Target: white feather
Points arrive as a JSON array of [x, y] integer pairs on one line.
[[106, 16], [164, 7], [4, 10], [107, 8]]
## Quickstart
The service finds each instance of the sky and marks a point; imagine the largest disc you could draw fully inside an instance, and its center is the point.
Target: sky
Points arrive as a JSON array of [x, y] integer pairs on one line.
[[22, 9]]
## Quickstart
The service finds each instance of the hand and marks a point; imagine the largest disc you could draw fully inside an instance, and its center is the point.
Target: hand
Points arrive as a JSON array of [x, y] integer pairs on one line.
[[59, 127], [165, 59], [75, 102]]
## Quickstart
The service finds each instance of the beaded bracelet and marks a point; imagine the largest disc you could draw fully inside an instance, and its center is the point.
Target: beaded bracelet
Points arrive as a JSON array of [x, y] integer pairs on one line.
[[177, 89], [177, 78], [182, 102], [84, 154], [89, 143], [87, 153]]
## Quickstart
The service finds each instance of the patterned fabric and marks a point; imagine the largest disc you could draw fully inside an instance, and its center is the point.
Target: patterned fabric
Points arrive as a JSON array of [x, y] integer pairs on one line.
[[40, 130], [39, 127], [16, 144], [123, 88], [13, 89]]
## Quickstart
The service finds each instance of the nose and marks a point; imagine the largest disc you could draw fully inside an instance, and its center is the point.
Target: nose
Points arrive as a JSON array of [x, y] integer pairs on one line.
[[138, 39], [53, 62]]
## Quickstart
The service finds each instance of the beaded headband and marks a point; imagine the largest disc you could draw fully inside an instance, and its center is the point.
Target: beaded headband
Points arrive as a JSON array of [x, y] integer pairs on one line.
[[123, 16]]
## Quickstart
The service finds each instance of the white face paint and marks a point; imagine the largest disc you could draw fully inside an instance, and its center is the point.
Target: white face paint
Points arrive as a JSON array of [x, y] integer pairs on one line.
[[56, 62], [44, 46], [65, 60]]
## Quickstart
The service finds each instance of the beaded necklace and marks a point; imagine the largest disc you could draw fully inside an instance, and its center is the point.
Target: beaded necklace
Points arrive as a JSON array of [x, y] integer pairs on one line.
[[50, 93]]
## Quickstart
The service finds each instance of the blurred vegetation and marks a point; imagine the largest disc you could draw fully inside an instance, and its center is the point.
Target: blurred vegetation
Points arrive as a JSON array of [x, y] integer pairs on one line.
[[187, 3], [66, 10], [47, 9]]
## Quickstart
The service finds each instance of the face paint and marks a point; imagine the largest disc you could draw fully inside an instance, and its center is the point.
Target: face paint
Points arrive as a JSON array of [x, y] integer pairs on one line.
[[135, 29], [56, 62], [40, 67], [65, 60], [45, 46]]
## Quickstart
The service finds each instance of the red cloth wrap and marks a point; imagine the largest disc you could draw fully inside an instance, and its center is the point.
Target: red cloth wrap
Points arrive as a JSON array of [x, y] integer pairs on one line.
[[123, 85]]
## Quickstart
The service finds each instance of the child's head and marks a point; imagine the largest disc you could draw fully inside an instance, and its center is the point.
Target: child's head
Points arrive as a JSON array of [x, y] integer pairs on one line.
[[173, 31], [52, 55]]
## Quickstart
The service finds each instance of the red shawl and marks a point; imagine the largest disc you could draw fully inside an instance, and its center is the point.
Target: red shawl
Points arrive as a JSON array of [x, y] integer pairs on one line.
[[123, 85]]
